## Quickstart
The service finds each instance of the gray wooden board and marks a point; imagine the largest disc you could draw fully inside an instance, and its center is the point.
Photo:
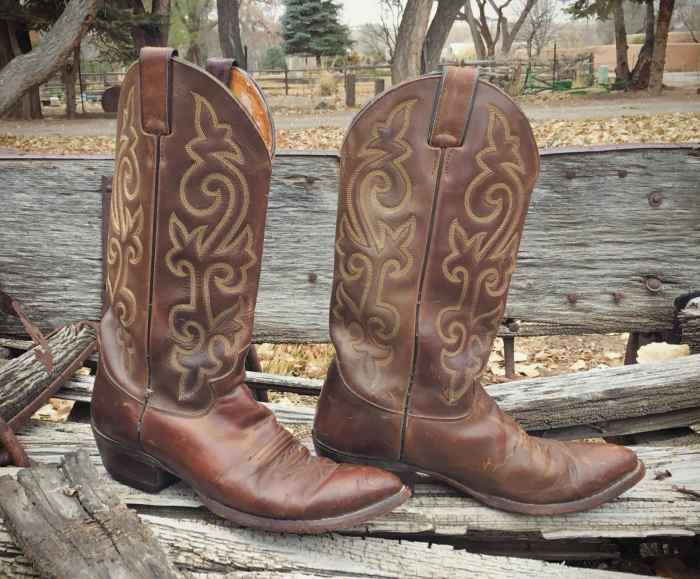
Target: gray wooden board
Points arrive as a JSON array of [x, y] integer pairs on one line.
[[604, 402], [652, 508], [591, 231], [70, 524], [213, 547], [24, 379]]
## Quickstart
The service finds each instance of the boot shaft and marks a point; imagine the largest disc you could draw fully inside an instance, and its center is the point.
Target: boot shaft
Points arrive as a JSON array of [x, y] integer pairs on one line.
[[185, 236], [436, 176]]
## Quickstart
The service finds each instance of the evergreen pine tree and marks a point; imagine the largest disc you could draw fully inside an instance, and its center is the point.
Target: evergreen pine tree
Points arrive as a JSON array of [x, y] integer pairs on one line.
[[314, 27]]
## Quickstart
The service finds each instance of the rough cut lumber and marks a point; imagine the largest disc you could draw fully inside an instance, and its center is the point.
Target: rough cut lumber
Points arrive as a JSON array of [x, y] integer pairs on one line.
[[69, 524], [24, 379], [607, 402], [605, 225], [652, 508], [209, 546]]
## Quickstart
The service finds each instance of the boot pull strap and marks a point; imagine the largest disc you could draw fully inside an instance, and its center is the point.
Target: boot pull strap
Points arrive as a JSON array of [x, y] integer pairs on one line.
[[453, 106], [42, 352], [156, 88], [221, 68]]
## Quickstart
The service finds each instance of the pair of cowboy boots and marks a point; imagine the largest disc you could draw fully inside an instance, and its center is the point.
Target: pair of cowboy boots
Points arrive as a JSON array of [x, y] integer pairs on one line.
[[436, 176]]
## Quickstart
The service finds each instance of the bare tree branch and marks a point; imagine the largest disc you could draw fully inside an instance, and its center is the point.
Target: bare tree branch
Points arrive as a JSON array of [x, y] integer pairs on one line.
[[35, 67]]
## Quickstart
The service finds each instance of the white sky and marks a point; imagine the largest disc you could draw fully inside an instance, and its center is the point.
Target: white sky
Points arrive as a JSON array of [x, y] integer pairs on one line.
[[358, 12]]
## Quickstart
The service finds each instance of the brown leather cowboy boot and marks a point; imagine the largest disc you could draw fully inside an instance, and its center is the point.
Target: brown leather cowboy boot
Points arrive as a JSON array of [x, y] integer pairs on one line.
[[436, 176], [183, 250]]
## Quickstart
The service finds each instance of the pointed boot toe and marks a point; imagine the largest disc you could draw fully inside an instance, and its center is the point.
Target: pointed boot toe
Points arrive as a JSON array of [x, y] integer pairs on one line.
[[604, 471], [357, 489]]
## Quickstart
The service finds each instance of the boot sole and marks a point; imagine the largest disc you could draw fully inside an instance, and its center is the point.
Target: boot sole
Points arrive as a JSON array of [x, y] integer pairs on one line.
[[139, 470], [408, 472]]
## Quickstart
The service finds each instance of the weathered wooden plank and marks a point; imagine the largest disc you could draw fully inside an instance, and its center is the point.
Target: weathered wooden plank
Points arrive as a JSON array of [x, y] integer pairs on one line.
[[69, 524], [24, 379], [606, 402], [206, 545], [602, 224], [652, 508]]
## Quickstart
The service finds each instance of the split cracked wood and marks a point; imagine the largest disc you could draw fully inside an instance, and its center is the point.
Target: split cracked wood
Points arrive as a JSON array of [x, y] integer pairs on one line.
[[24, 378], [607, 402], [652, 508], [616, 226], [70, 525], [207, 545]]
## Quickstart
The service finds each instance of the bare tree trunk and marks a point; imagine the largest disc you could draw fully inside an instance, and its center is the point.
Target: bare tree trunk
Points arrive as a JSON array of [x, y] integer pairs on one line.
[[622, 68], [30, 70], [489, 41], [162, 9], [509, 35], [439, 30], [230, 30], [69, 75], [640, 75], [31, 100], [15, 41], [475, 31], [409, 43], [658, 59], [150, 34]]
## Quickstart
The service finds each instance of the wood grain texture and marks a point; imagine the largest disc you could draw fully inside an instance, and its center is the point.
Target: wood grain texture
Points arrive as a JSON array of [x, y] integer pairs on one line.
[[212, 548], [591, 231], [652, 508], [69, 524], [607, 402], [24, 378]]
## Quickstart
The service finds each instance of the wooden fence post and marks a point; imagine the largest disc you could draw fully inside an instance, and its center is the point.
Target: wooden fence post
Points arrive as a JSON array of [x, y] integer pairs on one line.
[[350, 90], [286, 82]]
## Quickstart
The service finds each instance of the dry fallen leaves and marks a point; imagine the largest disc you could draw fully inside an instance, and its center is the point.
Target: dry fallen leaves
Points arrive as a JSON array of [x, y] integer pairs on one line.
[[660, 128]]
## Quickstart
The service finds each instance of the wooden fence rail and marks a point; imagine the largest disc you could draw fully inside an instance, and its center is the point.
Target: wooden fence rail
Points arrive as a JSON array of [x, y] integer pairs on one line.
[[611, 241]]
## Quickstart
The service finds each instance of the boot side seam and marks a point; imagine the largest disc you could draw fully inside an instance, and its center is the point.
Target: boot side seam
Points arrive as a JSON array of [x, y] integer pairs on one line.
[[421, 282]]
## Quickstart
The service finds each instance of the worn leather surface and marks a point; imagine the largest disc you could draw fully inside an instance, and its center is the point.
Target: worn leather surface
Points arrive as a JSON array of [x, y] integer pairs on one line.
[[184, 250], [436, 177]]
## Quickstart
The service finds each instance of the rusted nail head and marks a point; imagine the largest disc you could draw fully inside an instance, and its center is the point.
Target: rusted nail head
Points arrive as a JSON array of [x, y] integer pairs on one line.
[[656, 198], [653, 284], [622, 173], [312, 277], [618, 297], [569, 174], [572, 298]]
